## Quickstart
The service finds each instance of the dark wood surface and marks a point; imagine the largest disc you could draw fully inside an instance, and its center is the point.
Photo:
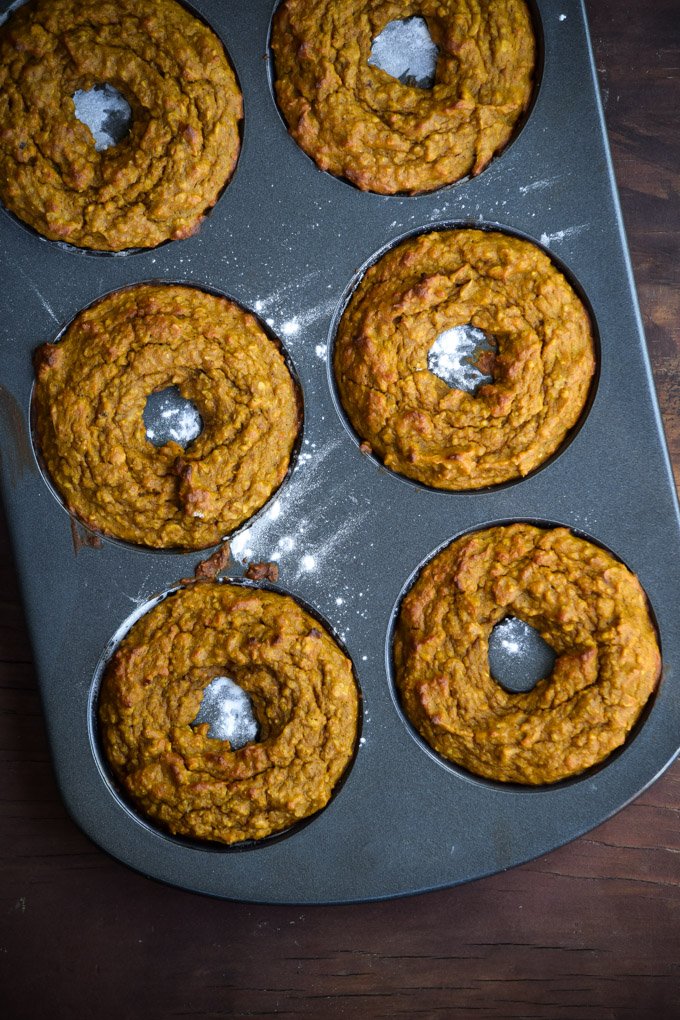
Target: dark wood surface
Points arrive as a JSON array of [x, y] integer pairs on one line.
[[589, 931]]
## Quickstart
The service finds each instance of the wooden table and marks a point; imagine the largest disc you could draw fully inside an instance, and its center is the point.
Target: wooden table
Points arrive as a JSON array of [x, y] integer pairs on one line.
[[589, 931]]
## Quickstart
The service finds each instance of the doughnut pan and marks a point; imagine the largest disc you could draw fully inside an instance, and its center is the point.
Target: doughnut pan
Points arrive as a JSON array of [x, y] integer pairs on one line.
[[288, 241]]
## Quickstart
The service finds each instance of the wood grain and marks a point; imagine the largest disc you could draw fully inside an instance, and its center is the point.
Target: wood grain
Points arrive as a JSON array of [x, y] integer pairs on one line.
[[590, 931]]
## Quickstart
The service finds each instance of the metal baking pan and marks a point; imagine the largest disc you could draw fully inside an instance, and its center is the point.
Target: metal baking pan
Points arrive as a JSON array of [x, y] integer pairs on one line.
[[288, 241]]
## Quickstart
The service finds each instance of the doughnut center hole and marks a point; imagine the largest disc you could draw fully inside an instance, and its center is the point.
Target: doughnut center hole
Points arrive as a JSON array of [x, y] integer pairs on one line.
[[405, 50], [518, 655], [169, 417], [229, 712], [463, 357], [106, 113]]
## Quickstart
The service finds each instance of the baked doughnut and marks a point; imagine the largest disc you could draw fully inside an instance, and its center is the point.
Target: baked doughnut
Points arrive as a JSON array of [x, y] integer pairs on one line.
[[589, 608], [182, 148], [542, 371], [303, 694], [89, 399], [358, 122]]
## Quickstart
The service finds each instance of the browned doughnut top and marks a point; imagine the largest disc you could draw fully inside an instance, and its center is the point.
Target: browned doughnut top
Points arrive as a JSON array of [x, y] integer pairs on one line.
[[542, 371], [357, 121], [303, 693], [582, 601], [89, 400], [184, 141]]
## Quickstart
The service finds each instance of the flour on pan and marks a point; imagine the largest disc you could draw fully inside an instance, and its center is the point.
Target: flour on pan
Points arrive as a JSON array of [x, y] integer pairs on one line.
[[311, 551], [561, 235], [524, 189], [275, 308]]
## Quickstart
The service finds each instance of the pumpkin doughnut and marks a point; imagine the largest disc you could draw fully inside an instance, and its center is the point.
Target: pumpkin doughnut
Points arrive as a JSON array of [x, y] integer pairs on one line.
[[358, 122], [588, 607], [542, 369], [89, 400], [158, 182], [303, 694]]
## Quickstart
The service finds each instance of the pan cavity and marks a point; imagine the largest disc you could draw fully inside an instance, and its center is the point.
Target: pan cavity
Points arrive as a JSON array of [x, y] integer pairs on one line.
[[168, 417], [405, 50], [228, 710], [518, 656], [463, 357], [106, 112]]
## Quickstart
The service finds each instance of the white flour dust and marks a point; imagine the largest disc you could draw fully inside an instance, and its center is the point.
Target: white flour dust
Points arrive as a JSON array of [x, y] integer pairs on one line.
[[105, 112], [511, 637], [276, 309], [296, 550], [290, 327], [321, 561], [169, 417], [405, 50], [229, 712], [537, 185], [562, 235], [450, 358], [313, 549], [142, 596], [518, 655], [34, 287]]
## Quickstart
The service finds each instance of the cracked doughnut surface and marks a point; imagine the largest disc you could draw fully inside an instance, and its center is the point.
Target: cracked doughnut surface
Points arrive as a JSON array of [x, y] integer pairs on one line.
[[89, 398], [359, 122], [303, 693], [156, 184], [589, 608], [542, 370]]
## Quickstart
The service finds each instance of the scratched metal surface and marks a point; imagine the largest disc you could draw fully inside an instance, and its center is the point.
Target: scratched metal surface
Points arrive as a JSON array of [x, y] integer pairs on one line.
[[288, 241]]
